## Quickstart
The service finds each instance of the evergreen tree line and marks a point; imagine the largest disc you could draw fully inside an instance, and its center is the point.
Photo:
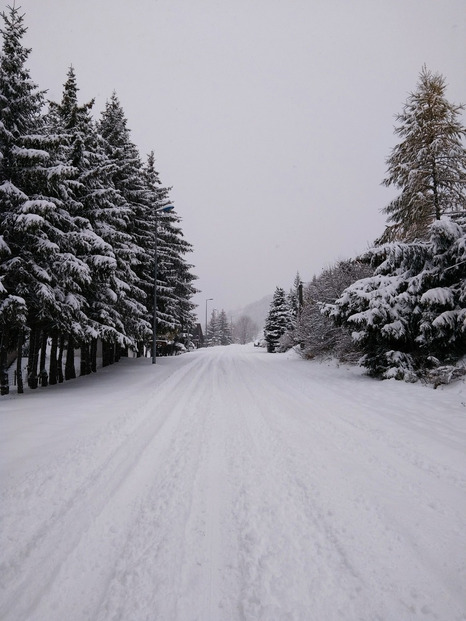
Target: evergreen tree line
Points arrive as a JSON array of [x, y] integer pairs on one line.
[[220, 331], [81, 217], [400, 308]]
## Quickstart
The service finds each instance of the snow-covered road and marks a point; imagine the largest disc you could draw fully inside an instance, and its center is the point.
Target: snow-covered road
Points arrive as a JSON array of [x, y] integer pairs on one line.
[[230, 484]]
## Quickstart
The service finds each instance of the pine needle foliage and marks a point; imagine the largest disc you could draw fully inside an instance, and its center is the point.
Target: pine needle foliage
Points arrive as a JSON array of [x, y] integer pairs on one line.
[[78, 230], [428, 166], [410, 316]]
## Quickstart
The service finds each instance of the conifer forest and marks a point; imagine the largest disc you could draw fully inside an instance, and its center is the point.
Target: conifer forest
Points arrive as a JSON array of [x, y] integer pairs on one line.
[[82, 215]]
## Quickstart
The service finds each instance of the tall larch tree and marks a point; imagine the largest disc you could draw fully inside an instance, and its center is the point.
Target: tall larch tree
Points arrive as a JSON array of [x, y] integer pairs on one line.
[[428, 166]]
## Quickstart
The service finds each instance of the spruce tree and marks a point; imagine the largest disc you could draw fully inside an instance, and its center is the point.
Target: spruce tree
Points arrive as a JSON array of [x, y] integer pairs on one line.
[[429, 164], [213, 331], [411, 314], [278, 321], [155, 198], [135, 235], [77, 234], [103, 216], [295, 299], [20, 106], [176, 274], [224, 329], [41, 275], [175, 288]]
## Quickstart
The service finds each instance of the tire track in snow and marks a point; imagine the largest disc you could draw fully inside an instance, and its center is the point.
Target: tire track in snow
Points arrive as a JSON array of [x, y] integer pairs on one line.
[[146, 582], [243, 489], [288, 555], [208, 582], [47, 550], [370, 520]]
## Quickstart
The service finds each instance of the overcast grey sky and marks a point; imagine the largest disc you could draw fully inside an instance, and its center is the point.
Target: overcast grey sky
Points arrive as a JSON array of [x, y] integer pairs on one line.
[[271, 119]]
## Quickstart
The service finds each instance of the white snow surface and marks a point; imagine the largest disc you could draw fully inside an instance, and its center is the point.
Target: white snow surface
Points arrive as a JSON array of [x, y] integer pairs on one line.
[[230, 484]]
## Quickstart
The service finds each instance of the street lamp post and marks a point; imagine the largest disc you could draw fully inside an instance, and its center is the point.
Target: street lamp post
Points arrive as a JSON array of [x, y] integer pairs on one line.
[[208, 300], [164, 209]]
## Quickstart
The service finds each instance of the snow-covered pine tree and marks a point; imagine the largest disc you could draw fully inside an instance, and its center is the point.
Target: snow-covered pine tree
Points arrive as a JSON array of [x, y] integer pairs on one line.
[[88, 255], [224, 329], [104, 215], [411, 315], [41, 276], [155, 198], [295, 299], [442, 290], [429, 164], [213, 332], [174, 278], [20, 106], [278, 321], [176, 272], [135, 224]]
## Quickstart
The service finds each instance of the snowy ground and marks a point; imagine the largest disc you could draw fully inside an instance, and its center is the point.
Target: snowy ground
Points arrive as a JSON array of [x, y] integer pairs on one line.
[[230, 484]]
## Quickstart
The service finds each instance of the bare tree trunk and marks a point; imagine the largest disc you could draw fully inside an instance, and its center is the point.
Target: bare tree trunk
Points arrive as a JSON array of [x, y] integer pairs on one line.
[[108, 353], [61, 347], [4, 385], [34, 345], [435, 189], [19, 363], [53, 375], [44, 378], [94, 355], [85, 359], [112, 353], [82, 360], [70, 371], [105, 354]]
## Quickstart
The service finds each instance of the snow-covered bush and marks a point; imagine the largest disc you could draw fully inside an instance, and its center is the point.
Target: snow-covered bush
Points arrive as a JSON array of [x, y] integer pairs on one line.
[[285, 342], [316, 334], [413, 309]]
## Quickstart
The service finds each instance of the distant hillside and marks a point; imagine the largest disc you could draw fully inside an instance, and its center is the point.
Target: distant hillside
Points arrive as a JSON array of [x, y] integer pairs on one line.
[[257, 311]]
